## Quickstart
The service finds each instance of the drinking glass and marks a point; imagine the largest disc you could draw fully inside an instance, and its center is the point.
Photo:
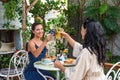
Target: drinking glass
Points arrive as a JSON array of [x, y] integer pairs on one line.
[[58, 35]]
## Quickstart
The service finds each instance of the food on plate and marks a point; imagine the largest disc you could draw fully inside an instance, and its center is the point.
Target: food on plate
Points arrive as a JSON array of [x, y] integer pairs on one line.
[[69, 61]]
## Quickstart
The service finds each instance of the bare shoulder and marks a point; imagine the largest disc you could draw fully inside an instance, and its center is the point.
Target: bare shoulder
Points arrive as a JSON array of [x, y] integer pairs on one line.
[[31, 43]]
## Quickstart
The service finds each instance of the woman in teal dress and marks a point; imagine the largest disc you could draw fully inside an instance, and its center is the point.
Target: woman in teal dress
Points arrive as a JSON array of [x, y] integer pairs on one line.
[[36, 51]]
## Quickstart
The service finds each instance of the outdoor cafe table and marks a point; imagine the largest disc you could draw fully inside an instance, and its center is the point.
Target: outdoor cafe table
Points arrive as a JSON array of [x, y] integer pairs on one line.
[[38, 65]]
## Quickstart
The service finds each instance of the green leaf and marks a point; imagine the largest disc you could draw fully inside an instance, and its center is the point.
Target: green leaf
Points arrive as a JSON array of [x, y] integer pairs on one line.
[[111, 26], [91, 11], [113, 12], [103, 8], [108, 53]]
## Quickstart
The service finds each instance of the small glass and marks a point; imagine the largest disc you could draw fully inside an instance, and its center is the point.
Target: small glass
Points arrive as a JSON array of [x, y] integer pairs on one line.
[[65, 52], [58, 56], [65, 56], [58, 35], [51, 53]]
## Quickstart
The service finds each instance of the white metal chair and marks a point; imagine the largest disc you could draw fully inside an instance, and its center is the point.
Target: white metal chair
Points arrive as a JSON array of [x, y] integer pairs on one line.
[[16, 66], [44, 76], [114, 72]]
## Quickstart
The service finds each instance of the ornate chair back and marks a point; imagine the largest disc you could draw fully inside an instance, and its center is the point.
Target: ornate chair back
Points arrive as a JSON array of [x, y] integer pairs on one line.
[[114, 72], [16, 65]]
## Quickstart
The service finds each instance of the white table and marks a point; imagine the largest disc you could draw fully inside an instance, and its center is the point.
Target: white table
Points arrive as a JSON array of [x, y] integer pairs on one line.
[[38, 65]]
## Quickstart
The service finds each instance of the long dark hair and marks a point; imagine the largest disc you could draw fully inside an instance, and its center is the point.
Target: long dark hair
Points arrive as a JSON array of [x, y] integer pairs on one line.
[[33, 28], [95, 39]]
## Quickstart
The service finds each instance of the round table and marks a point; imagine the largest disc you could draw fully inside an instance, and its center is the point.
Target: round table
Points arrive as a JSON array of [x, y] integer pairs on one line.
[[50, 67]]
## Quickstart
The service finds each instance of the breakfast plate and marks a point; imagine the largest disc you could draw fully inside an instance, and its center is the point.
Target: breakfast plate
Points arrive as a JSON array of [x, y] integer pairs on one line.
[[69, 62]]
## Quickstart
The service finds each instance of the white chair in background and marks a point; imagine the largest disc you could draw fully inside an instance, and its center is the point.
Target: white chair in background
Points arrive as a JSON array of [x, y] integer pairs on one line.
[[16, 67], [114, 72]]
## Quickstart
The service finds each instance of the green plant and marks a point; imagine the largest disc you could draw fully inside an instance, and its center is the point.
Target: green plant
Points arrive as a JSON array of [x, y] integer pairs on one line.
[[40, 9], [109, 54], [58, 23], [70, 13], [26, 35], [4, 59], [114, 59], [105, 13], [72, 10], [59, 46], [8, 25], [12, 11]]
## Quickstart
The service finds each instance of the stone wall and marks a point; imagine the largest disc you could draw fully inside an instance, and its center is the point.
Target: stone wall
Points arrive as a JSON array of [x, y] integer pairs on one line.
[[17, 33], [114, 43], [116, 47], [3, 20]]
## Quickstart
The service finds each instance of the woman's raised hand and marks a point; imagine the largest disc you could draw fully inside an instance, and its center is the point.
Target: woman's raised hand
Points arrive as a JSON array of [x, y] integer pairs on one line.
[[68, 38], [49, 37], [63, 33]]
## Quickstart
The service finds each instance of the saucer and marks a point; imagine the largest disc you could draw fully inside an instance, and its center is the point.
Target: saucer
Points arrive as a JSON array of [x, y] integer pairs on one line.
[[46, 63]]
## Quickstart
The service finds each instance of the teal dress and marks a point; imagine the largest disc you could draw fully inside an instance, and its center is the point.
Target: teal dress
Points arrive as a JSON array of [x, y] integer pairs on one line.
[[30, 72]]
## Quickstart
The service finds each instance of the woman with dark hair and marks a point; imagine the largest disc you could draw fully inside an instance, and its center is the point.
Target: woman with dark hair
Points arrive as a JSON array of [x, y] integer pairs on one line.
[[90, 56], [36, 51]]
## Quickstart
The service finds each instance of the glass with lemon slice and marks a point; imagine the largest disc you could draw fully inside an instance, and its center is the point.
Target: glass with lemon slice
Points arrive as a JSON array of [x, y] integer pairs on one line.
[[58, 35]]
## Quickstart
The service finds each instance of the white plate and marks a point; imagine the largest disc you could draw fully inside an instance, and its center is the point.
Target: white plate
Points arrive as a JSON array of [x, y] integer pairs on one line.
[[68, 65]]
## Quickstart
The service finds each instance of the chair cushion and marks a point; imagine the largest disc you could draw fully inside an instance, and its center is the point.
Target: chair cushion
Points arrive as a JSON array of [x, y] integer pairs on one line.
[[4, 71], [6, 46]]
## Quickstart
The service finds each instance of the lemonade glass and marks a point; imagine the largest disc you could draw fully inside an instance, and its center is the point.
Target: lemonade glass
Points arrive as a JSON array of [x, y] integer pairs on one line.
[[58, 35]]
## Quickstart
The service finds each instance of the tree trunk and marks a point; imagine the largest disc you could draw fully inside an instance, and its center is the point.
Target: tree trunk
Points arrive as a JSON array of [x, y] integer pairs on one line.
[[24, 15], [26, 9]]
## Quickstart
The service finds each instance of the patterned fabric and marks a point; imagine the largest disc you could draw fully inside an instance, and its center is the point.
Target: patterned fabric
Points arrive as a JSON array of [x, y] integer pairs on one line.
[[30, 72]]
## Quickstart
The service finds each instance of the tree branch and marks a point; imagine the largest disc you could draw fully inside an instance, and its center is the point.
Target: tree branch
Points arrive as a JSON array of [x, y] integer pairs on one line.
[[24, 15], [31, 5]]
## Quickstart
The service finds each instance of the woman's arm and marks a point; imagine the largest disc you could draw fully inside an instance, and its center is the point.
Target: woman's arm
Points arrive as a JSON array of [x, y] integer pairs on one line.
[[68, 38], [37, 51], [59, 65]]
